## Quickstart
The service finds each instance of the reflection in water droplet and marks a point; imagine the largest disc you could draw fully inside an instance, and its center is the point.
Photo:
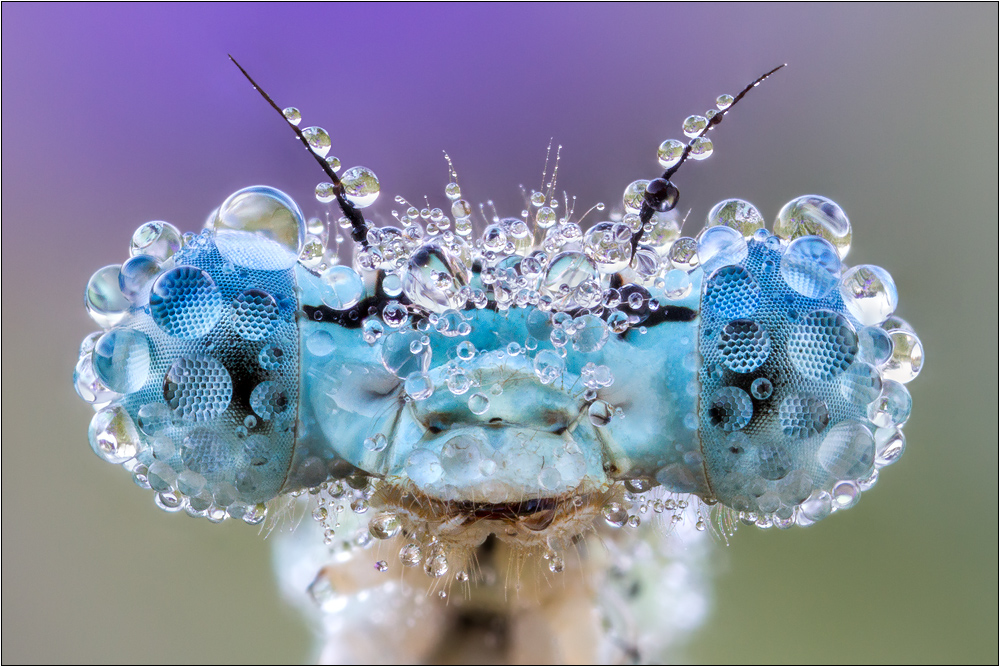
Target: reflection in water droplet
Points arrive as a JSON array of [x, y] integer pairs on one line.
[[813, 215], [869, 293], [319, 140], [669, 153], [361, 186], [346, 288], [738, 214], [907, 356]]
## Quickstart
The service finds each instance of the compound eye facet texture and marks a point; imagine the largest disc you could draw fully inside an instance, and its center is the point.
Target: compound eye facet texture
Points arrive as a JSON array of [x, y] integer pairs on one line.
[[201, 374], [793, 377]]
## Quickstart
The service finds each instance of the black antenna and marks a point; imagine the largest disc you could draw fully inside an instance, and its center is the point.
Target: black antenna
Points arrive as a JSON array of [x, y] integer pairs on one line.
[[359, 228], [661, 195]]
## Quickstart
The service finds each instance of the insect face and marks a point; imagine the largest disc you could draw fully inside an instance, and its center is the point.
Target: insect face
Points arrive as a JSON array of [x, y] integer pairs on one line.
[[522, 382]]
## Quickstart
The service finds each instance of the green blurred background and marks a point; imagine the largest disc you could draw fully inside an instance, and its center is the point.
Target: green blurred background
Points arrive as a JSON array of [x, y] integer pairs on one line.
[[114, 115]]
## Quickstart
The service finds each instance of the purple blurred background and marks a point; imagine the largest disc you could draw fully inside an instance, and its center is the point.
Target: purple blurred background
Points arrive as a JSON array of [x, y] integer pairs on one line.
[[117, 114]]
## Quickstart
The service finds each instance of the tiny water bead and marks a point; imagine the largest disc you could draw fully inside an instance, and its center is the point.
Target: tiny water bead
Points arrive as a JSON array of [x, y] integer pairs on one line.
[[292, 115]]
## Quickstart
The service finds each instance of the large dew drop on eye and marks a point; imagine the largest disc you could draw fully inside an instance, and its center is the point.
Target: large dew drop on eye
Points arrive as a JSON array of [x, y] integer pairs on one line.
[[720, 246], [811, 266], [907, 356], [738, 214], [121, 360], [847, 451], [105, 302], [869, 293], [361, 186], [275, 221], [113, 436], [812, 215], [158, 239]]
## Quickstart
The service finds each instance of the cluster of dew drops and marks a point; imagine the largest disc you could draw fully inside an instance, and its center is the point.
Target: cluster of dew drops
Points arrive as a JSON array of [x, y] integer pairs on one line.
[[539, 259]]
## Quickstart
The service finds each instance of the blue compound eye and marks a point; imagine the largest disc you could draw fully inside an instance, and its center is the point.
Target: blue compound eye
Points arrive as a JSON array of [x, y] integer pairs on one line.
[[524, 379]]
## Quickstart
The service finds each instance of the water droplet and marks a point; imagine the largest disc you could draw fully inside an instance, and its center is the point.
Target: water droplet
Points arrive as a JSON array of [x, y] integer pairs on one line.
[[361, 186], [267, 213], [907, 357], [436, 564], [372, 330], [591, 333], [730, 408], [548, 366], [761, 388], [813, 215], [158, 239], [394, 314], [121, 360], [738, 214], [634, 195], [869, 293], [292, 115], [105, 302], [326, 192], [600, 413], [723, 102], [684, 253], [384, 526], [345, 287], [423, 466], [615, 514], [889, 445], [461, 209], [376, 443], [545, 217], [847, 450], [410, 555], [811, 266], [720, 246], [319, 140], [113, 436], [268, 400], [694, 124], [702, 148], [669, 153], [479, 403], [418, 386], [860, 384], [434, 279], [271, 356], [892, 407]]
